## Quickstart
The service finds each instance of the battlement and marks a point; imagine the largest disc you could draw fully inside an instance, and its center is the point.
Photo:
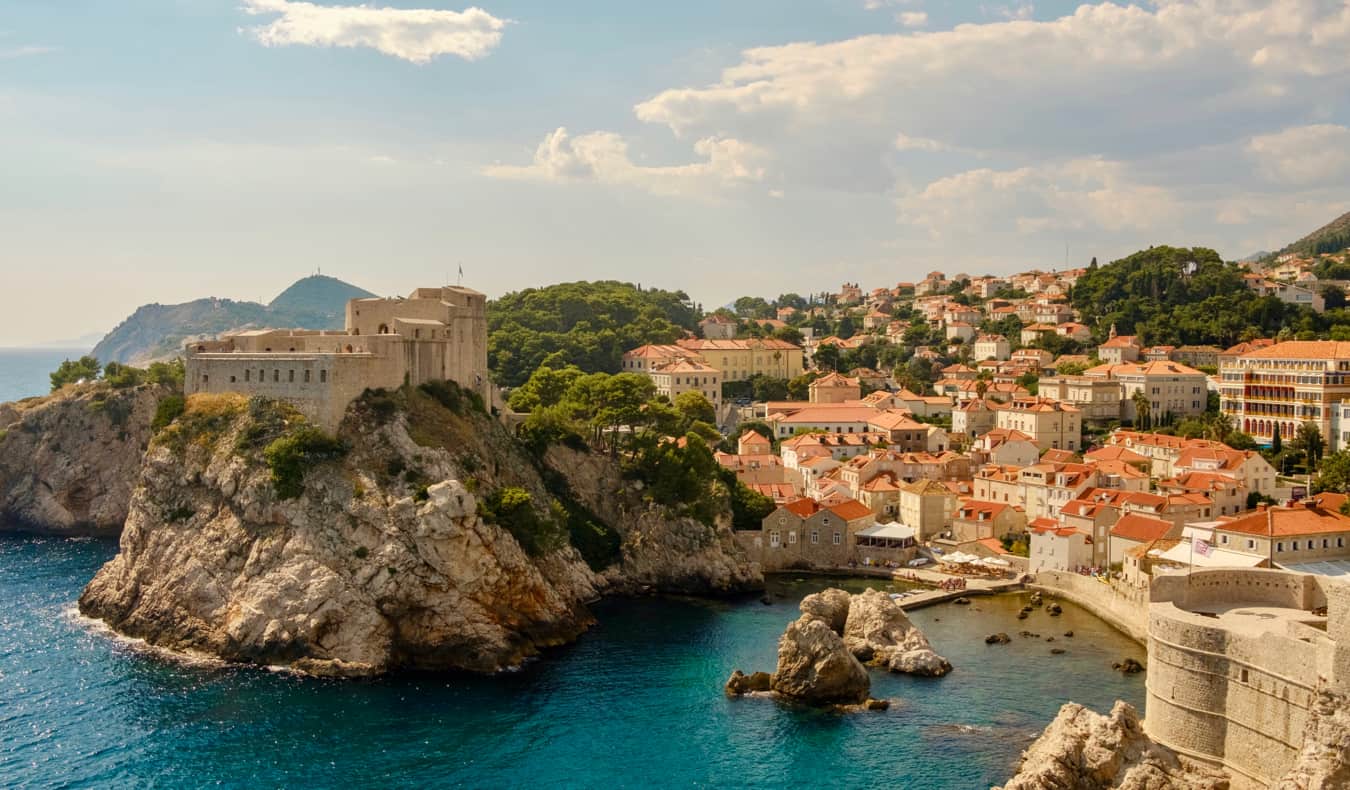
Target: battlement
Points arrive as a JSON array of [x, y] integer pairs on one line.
[[434, 334], [1236, 657]]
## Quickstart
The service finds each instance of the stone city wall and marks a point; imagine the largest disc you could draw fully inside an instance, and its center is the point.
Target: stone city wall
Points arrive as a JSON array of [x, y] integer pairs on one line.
[[1122, 606]]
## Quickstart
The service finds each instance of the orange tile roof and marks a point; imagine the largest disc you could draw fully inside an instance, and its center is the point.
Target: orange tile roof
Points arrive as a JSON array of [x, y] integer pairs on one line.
[[850, 510], [1286, 522], [1141, 528], [1302, 349]]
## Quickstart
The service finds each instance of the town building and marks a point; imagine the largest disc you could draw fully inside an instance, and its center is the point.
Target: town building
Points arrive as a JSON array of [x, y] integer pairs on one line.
[[806, 534], [1285, 385], [1049, 423], [435, 334], [740, 359], [1119, 349], [719, 327], [673, 379], [834, 388], [1097, 398], [991, 347], [1172, 389]]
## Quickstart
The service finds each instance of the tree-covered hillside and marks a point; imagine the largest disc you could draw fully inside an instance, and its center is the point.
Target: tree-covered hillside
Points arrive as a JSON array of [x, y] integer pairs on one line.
[[587, 324], [1176, 296], [1331, 237]]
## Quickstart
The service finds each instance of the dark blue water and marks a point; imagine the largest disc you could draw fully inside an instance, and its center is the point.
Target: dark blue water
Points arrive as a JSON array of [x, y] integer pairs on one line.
[[637, 702], [25, 373]]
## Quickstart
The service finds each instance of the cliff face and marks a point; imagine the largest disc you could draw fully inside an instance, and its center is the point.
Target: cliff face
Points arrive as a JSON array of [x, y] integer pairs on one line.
[[1324, 761], [408, 548], [69, 461], [1082, 750], [658, 552]]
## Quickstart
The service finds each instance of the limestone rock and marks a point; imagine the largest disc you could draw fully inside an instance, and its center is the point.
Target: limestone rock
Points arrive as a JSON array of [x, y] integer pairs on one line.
[[740, 683], [878, 631], [815, 667], [997, 639], [659, 551], [1324, 761], [1083, 750], [69, 461], [829, 606], [1129, 666]]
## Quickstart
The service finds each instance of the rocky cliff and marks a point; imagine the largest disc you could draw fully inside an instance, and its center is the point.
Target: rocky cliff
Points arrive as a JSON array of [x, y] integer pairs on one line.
[[658, 552], [427, 538], [1324, 761], [69, 461], [1083, 750]]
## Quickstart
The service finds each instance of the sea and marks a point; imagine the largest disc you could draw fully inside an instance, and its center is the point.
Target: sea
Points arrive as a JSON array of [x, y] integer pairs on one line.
[[636, 702], [25, 372]]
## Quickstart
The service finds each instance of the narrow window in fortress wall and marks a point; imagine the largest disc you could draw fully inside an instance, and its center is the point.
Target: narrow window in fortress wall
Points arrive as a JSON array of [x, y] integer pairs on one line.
[[323, 377]]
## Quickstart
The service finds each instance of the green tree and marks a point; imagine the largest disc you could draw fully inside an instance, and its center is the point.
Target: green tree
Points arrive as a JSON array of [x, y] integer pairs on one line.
[[846, 328], [1308, 442], [85, 368], [545, 387], [1142, 410], [694, 407], [1333, 474], [1240, 441], [827, 357]]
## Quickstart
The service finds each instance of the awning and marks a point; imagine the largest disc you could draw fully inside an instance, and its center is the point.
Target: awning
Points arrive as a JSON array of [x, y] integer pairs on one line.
[[892, 531]]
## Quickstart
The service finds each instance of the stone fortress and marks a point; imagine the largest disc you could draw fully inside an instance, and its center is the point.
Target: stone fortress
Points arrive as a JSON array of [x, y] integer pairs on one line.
[[433, 334], [1240, 660]]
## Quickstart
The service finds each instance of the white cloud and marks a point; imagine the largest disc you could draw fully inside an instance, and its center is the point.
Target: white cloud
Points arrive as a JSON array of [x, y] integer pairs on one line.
[[603, 157], [1102, 67], [28, 51], [1083, 194], [1303, 155], [415, 35], [912, 18], [904, 142]]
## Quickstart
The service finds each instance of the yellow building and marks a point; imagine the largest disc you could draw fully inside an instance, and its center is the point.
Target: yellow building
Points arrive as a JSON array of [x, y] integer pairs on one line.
[[679, 376], [1285, 385], [738, 360]]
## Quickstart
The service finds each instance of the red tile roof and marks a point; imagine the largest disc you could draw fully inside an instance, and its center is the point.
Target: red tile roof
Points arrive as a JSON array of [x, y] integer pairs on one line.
[[1141, 528]]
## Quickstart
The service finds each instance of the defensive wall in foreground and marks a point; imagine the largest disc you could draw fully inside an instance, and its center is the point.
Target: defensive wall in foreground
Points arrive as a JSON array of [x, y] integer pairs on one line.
[[1235, 660]]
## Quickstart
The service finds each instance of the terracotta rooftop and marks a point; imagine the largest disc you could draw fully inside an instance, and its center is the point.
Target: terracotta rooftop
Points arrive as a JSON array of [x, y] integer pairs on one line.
[[1302, 519], [1141, 528]]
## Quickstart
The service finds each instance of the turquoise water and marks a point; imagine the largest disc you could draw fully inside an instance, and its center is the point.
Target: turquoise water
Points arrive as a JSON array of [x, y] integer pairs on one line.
[[637, 702], [25, 373]]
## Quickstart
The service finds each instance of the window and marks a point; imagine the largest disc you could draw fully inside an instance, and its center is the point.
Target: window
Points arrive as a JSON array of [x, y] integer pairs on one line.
[[276, 376], [290, 376], [248, 374], [231, 379], [205, 378], [308, 373], [838, 538], [1310, 544], [815, 536], [323, 377], [1280, 546], [1251, 544], [775, 540], [792, 536]]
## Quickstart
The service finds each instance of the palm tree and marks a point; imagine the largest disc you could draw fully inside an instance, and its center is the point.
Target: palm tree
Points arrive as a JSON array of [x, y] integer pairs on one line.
[[1218, 427], [1142, 407]]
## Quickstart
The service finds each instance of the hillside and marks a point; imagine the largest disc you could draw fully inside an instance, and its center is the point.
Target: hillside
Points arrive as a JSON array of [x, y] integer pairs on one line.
[[320, 295], [1331, 237], [587, 324], [155, 331]]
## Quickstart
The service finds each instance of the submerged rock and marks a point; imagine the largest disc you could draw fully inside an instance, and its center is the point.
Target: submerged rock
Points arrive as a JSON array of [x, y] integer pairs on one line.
[[997, 639], [1083, 750], [815, 667], [878, 631], [740, 683], [1129, 666]]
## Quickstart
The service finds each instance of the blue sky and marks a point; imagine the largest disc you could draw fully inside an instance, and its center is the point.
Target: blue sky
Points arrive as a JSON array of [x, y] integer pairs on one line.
[[161, 150]]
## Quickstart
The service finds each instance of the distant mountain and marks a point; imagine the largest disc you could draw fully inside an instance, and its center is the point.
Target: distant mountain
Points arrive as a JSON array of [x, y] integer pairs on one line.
[[156, 331], [319, 295], [1331, 237]]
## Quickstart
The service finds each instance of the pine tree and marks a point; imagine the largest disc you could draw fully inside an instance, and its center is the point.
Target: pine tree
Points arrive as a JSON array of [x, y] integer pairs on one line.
[[1275, 444]]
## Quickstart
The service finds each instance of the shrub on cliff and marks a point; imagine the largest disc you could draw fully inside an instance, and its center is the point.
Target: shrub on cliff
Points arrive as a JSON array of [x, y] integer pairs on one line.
[[167, 410], [512, 508], [289, 458], [71, 371]]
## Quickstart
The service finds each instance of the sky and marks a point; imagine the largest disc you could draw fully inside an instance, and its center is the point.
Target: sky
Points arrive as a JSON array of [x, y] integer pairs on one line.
[[165, 150]]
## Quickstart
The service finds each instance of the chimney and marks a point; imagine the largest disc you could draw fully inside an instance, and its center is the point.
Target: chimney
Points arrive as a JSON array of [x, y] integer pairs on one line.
[[1261, 507]]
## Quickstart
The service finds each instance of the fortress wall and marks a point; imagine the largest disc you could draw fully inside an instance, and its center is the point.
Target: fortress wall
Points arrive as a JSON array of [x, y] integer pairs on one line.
[[1123, 607], [1235, 696]]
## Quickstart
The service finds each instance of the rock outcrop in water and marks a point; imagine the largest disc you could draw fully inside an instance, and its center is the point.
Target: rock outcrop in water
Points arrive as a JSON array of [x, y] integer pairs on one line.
[[429, 541], [820, 654], [1083, 750], [69, 461], [878, 632]]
